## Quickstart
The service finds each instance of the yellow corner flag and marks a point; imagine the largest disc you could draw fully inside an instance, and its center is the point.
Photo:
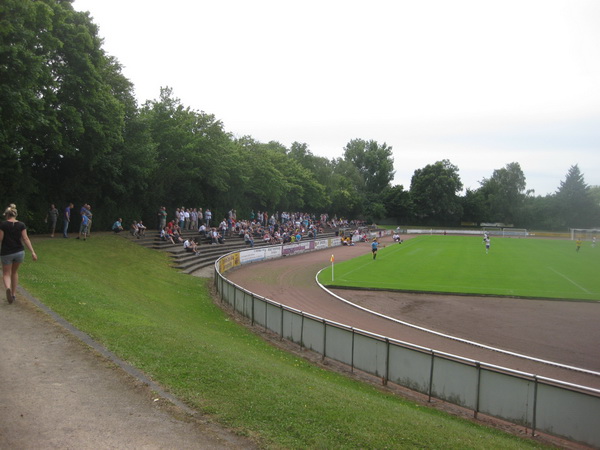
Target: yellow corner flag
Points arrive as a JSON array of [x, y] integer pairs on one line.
[[332, 258]]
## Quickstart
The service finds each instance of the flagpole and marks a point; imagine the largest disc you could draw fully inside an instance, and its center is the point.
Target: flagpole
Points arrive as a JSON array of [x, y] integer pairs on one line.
[[332, 267]]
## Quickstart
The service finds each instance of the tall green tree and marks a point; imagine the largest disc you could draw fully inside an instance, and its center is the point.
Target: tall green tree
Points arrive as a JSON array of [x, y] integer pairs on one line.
[[575, 205], [474, 206], [277, 180], [346, 190], [433, 190], [62, 108], [504, 193], [397, 203], [26, 39], [374, 162], [195, 159], [539, 213], [595, 193], [319, 166]]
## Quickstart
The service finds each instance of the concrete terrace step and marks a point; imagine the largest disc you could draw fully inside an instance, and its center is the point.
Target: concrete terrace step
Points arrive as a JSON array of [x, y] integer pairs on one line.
[[208, 253], [189, 263]]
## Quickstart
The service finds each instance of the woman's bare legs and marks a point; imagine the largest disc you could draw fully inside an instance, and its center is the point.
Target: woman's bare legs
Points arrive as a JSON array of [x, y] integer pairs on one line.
[[10, 276]]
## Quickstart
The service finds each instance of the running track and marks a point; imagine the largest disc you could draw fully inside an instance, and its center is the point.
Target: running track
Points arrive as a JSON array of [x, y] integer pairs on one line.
[[567, 333]]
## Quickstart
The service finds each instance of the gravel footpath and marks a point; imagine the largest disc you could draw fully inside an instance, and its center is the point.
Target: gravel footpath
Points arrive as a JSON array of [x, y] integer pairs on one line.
[[61, 390]]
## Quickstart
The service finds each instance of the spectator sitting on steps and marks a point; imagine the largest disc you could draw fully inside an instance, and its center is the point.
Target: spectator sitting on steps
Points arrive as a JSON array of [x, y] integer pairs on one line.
[[118, 225], [248, 239], [191, 246], [134, 229], [216, 237], [173, 234], [202, 230], [164, 235], [141, 229]]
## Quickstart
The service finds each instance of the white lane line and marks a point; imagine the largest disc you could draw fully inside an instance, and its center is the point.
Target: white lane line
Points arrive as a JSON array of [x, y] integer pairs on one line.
[[455, 338]]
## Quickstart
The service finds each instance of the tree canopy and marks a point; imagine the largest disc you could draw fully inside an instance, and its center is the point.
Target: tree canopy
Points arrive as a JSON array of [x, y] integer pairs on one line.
[[575, 205], [504, 194], [72, 131], [434, 192]]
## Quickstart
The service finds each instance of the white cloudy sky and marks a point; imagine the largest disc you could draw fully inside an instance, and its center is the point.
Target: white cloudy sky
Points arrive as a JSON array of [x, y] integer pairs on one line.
[[481, 83]]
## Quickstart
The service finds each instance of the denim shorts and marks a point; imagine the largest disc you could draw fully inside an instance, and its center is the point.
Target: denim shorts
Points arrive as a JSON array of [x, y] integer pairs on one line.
[[18, 257]]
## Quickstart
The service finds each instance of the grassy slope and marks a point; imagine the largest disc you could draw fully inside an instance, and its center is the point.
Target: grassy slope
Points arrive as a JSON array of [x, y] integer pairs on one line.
[[516, 267], [166, 324]]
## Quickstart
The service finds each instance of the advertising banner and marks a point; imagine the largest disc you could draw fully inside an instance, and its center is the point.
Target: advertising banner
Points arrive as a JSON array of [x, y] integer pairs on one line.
[[273, 252], [322, 244], [229, 262], [335, 242], [253, 255], [300, 247]]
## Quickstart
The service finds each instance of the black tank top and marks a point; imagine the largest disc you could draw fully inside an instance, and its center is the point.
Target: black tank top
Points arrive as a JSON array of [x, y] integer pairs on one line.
[[12, 237]]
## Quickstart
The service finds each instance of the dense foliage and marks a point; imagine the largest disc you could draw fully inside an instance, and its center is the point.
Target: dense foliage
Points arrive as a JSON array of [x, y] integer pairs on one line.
[[71, 131]]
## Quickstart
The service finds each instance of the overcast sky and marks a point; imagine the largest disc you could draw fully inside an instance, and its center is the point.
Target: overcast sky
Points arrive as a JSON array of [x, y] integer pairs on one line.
[[480, 83]]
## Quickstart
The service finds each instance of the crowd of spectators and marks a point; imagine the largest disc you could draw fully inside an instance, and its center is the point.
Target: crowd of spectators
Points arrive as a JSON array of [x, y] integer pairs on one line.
[[273, 228], [260, 226], [276, 228]]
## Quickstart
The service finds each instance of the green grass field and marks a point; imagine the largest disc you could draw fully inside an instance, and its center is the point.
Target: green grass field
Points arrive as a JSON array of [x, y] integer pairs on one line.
[[520, 267], [166, 323]]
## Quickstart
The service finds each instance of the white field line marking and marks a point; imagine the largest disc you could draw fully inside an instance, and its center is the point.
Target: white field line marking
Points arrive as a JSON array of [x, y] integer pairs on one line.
[[465, 341], [570, 281]]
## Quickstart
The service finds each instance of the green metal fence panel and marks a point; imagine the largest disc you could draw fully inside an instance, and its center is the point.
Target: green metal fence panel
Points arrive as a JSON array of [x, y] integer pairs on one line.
[[507, 397], [370, 355], [455, 382]]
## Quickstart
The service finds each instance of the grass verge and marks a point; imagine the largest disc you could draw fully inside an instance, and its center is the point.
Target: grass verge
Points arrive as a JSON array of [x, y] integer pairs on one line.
[[165, 323]]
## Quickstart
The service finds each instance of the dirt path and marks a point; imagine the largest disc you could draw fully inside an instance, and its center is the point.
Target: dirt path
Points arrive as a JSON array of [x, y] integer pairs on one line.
[[58, 393], [562, 332]]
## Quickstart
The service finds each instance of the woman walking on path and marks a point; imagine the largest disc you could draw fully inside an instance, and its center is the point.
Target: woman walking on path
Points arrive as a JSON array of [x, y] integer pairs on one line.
[[13, 234]]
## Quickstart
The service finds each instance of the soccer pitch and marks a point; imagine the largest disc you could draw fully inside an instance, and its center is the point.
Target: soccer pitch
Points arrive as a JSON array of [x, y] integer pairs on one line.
[[516, 267]]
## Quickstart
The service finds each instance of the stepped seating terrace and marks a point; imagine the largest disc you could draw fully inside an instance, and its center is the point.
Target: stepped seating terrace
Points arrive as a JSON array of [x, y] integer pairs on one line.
[[208, 253]]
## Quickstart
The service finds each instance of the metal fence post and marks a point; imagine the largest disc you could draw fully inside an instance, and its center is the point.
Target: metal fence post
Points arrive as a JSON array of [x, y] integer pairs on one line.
[[387, 362], [352, 352], [324, 339], [535, 394], [281, 322], [234, 299], [266, 315], [478, 387], [431, 375], [302, 332]]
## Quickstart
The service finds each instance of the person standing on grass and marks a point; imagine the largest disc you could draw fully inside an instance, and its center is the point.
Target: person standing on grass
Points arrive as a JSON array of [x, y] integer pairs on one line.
[[374, 246], [52, 216], [86, 221], [12, 235], [578, 243], [67, 219], [487, 245], [84, 228]]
